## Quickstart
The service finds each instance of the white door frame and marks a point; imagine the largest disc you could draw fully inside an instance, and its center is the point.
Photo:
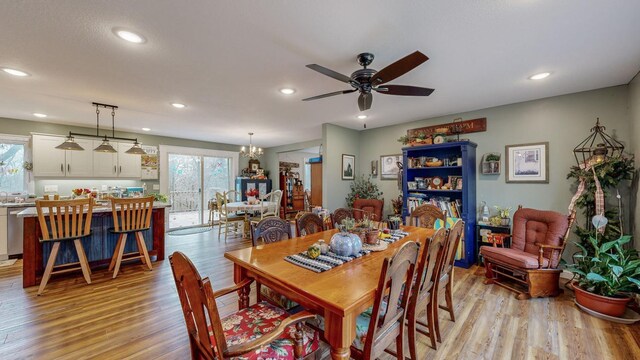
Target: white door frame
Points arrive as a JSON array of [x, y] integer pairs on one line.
[[164, 166]]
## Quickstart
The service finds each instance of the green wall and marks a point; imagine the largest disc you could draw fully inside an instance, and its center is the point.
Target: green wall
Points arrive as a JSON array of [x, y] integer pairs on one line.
[[634, 114], [337, 141]]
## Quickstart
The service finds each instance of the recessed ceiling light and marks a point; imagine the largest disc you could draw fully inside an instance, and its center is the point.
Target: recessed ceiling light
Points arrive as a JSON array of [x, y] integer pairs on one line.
[[362, 117], [146, 129], [539, 76], [129, 36], [178, 105], [40, 115], [287, 91], [15, 72]]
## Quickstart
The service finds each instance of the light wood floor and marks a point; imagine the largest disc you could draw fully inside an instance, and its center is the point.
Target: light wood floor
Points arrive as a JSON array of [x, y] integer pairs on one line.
[[138, 316]]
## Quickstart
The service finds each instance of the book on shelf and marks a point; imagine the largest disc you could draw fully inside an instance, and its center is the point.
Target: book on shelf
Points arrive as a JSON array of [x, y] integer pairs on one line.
[[452, 208]]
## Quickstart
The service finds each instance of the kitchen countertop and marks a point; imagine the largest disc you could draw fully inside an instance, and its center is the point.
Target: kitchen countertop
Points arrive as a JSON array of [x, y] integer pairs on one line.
[[32, 212], [11, 205]]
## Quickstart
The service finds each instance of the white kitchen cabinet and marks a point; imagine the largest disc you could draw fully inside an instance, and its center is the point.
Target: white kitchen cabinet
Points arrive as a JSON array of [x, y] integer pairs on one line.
[[105, 165], [80, 163], [129, 165], [47, 160]]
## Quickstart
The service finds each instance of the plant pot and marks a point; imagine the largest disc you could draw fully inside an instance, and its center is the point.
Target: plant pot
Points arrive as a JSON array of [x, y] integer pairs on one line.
[[394, 225], [251, 200], [371, 237], [598, 303], [505, 221]]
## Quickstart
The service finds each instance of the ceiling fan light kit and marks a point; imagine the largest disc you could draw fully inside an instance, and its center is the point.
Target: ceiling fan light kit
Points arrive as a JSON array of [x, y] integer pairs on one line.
[[367, 80], [106, 147]]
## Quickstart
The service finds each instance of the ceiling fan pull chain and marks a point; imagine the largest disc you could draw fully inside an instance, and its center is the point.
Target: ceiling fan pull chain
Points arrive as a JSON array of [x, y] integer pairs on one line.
[[113, 122], [97, 121]]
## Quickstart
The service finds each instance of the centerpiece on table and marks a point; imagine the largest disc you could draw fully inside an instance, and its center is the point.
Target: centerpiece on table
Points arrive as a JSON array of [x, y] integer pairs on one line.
[[346, 243], [80, 193], [252, 196]]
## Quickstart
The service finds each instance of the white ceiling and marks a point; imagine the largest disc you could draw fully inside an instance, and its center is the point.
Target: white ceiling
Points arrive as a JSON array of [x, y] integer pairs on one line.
[[227, 59]]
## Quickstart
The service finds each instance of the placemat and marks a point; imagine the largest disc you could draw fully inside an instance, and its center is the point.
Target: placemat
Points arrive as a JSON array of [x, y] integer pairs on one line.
[[330, 260]]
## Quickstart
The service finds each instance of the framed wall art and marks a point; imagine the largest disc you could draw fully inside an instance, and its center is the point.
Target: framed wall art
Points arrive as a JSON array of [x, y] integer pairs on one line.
[[527, 163], [389, 166], [374, 168], [348, 167]]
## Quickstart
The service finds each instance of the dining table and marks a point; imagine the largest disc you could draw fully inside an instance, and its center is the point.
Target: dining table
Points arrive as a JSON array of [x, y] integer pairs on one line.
[[248, 209], [339, 294]]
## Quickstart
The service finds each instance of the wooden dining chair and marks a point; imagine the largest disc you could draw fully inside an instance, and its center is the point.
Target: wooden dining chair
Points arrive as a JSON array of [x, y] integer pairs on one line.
[[422, 295], [445, 274], [426, 215], [65, 220], [309, 223], [340, 214], [267, 231], [390, 305], [130, 216], [261, 331]]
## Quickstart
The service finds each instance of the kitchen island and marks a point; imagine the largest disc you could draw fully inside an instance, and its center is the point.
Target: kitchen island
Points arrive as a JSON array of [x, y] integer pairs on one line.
[[99, 246]]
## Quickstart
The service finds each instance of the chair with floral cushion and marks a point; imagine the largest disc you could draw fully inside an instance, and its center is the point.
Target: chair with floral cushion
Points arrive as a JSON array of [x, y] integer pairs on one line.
[[375, 333], [261, 331], [445, 274], [270, 230], [309, 223], [422, 296]]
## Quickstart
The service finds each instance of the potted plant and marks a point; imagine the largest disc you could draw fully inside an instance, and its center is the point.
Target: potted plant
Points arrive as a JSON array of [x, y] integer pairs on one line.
[[504, 214], [394, 222], [368, 231], [397, 205], [606, 277], [362, 188], [404, 139], [252, 195]]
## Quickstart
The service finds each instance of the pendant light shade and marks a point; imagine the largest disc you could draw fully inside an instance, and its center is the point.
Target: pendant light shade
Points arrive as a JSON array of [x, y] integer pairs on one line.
[[105, 147], [136, 149], [70, 144]]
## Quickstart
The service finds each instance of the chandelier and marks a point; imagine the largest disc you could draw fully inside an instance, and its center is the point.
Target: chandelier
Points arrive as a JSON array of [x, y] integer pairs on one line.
[[253, 152], [106, 147], [597, 147]]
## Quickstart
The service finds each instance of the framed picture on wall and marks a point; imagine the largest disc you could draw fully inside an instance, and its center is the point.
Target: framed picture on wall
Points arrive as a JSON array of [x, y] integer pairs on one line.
[[348, 167], [374, 168], [389, 166], [527, 163]]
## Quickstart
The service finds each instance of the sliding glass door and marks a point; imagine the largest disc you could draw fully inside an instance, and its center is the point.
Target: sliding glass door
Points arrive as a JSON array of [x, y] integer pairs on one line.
[[193, 180]]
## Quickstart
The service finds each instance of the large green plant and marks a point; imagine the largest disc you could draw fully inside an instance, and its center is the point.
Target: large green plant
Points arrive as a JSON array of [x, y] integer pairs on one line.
[[611, 172], [363, 188], [611, 271]]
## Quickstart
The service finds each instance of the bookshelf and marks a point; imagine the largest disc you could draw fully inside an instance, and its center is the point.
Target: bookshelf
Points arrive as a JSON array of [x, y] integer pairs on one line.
[[450, 185]]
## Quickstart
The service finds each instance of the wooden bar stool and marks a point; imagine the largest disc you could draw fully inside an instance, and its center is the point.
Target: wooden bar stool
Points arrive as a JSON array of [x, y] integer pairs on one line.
[[130, 216], [67, 222]]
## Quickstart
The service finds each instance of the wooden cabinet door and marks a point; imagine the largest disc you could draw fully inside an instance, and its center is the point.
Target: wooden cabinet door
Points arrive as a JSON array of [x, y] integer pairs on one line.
[[80, 163], [316, 184], [129, 165], [105, 165], [47, 160]]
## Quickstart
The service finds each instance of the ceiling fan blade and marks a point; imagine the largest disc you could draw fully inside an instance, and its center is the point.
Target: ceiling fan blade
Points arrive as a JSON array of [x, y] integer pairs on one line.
[[399, 68], [330, 73], [364, 101], [329, 94], [404, 90]]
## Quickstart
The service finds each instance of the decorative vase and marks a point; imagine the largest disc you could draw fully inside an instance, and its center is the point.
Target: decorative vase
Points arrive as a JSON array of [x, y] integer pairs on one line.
[[602, 304], [394, 224], [251, 200], [345, 244]]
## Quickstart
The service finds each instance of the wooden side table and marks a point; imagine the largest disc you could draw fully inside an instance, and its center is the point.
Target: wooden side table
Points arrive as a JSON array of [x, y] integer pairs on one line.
[[500, 237]]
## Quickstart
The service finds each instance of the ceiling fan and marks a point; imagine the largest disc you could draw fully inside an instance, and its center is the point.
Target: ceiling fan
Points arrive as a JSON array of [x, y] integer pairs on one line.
[[365, 80]]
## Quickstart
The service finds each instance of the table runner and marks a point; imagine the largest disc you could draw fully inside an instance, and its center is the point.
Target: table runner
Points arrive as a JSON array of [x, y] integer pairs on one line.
[[330, 260]]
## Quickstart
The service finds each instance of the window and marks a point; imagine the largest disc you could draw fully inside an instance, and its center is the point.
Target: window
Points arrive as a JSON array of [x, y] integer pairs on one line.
[[12, 172]]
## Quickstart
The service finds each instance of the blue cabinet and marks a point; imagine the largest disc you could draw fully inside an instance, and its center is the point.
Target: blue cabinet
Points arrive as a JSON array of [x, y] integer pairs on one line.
[[448, 182], [244, 184]]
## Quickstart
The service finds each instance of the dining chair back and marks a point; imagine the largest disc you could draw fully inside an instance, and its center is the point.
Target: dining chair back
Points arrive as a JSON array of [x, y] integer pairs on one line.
[[207, 336], [65, 220], [274, 197], [390, 305], [227, 219], [426, 216], [130, 216], [309, 223], [340, 214], [445, 272], [270, 230], [422, 296]]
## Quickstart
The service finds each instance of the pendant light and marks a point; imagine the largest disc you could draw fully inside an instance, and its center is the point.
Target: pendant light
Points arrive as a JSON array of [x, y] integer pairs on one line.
[[105, 146], [70, 144]]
